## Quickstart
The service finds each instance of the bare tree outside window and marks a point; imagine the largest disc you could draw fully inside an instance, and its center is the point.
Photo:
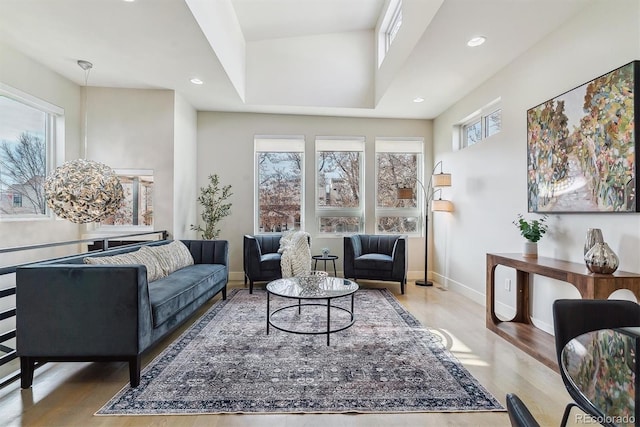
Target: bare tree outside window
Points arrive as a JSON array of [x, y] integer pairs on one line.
[[339, 178], [23, 159], [396, 170], [279, 191]]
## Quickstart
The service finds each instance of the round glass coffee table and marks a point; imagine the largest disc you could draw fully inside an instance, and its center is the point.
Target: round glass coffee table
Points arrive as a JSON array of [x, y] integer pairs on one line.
[[313, 293]]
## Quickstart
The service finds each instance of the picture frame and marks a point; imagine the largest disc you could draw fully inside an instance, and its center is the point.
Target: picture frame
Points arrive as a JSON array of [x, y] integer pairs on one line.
[[582, 147]]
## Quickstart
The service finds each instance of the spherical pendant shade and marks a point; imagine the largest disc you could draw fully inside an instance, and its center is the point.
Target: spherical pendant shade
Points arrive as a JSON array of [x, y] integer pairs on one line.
[[83, 191]]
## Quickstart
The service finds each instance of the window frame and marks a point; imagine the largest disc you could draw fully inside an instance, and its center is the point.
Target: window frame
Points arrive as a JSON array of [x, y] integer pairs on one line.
[[277, 144], [336, 144], [54, 136], [130, 228], [480, 116], [389, 28], [401, 146]]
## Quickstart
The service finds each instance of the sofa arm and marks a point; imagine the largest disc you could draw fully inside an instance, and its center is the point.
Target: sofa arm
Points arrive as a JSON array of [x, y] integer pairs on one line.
[[352, 250], [82, 310], [209, 251], [400, 259], [251, 255]]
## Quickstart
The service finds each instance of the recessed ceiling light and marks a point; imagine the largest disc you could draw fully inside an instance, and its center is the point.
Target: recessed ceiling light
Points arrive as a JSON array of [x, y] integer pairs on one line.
[[129, 1], [196, 81], [418, 99], [476, 41]]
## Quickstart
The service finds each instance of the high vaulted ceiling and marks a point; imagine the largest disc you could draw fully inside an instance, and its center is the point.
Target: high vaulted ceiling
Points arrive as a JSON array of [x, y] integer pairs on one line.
[[284, 56]]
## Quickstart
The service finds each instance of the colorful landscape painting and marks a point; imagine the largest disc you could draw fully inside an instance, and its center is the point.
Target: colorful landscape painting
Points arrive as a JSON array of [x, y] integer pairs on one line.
[[581, 147]]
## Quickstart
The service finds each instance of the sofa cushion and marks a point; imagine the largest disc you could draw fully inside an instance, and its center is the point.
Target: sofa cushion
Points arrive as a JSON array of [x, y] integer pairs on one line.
[[154, 269], [171, 257], [171, 294], [373, 262], [270, 261]]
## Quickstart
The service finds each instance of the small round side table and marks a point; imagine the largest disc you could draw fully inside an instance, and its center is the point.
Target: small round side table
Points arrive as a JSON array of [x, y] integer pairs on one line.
[[326, 258]]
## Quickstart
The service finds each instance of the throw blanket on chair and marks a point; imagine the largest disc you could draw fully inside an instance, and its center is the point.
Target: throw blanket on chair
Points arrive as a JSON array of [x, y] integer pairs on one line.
[[296, 254]]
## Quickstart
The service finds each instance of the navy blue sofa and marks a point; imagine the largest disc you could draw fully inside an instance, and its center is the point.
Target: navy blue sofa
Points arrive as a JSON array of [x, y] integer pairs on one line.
[[70, 311]]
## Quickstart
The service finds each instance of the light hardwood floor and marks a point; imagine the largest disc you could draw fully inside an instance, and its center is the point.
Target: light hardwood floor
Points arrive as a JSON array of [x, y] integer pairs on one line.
[[68, 394]]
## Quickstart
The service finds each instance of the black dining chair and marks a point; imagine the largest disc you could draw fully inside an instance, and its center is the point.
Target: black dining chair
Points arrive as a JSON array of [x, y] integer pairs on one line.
[[519, 414], [574, 317]]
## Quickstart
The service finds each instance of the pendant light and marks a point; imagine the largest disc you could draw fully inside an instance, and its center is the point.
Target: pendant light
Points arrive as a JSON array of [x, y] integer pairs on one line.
[[83, 190]]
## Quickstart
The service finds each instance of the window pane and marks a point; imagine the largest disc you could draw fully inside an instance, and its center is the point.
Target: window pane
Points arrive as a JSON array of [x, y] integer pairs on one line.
[[394, 170], [279, 191], [397, 224], [340, 224], [137, 205], [339, 179], [473, 133], [23, 161], [493, 123]]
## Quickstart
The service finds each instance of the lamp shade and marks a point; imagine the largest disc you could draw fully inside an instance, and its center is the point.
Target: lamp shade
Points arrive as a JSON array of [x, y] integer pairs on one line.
[[441, 180], [442, 206], [404, 193], [83, 191]]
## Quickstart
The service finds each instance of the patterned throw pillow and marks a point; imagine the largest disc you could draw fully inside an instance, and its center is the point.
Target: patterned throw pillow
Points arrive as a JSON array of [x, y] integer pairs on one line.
[[172, 256], [154, 269]]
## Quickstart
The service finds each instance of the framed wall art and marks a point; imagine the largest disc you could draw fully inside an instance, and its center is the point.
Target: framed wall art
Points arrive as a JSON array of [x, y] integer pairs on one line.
[[582, 147]]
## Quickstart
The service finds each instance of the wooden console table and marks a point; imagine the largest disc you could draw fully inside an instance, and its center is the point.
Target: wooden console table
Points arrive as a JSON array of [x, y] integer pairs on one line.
[[520, 331]]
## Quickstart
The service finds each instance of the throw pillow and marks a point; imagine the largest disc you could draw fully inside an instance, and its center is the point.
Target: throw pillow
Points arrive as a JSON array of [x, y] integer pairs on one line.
[[154, 270], [172, 256]]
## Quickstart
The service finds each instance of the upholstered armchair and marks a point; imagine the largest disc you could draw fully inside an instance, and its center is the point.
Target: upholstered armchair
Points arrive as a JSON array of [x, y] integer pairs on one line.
[[262, 262], [376, 257], [261, 258]]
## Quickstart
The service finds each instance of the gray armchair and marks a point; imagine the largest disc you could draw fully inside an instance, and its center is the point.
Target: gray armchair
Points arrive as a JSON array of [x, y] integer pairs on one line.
[[376, 257]]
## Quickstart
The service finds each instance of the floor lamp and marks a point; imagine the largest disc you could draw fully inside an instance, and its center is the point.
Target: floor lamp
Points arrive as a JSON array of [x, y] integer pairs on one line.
[[436, 180]]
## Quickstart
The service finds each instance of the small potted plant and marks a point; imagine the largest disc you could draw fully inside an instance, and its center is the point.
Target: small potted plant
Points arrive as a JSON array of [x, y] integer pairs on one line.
[[532, 230]]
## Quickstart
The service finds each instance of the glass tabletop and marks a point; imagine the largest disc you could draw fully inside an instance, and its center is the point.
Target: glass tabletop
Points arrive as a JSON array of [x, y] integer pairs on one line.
[[602, 367], [312, 287]]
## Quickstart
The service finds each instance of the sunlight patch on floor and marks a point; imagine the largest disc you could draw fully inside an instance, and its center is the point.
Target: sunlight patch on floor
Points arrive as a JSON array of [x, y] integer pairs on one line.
[[458, 348]]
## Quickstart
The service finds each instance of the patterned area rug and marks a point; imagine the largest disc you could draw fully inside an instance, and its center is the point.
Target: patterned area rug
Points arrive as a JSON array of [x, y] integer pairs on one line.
[[226, 363]]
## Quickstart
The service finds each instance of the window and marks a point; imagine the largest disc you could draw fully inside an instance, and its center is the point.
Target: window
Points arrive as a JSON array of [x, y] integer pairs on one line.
[[30, 133], [391, 24], [137, 205], [279, 183], [339, 169], [398, 164], [481, 124]]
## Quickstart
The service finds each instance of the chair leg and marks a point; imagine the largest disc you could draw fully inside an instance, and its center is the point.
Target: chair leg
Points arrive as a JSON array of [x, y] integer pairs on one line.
[[250, 286], [27, 366], [134, 370], [402, 287], [567, 411]]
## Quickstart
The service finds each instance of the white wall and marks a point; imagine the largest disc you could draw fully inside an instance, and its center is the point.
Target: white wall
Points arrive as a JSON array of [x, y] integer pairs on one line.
[[489, 179], [317, 70], [185, 187], [134, 129], [23, 73], [225, 147]]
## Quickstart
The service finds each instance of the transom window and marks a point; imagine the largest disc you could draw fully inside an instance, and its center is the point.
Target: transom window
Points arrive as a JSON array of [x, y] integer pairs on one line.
[[279, 183], [31, 136], [391, 24], [398, 164], [481, 124], [339, 166]]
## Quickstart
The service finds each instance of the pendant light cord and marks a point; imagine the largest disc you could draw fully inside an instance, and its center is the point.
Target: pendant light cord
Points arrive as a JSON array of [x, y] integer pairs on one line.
[[86, 66]]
